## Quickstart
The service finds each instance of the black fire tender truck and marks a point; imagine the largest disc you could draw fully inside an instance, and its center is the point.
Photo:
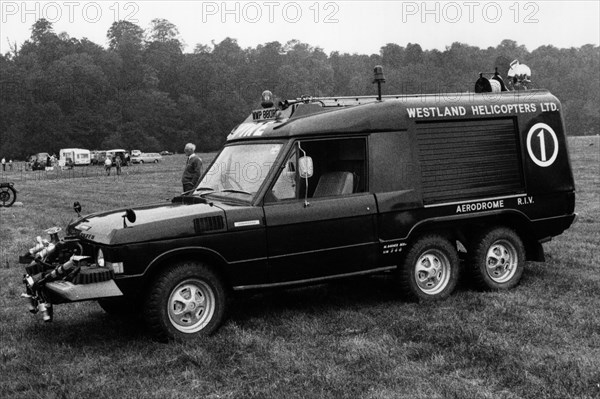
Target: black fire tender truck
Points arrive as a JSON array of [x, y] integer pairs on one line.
[[314, 189]]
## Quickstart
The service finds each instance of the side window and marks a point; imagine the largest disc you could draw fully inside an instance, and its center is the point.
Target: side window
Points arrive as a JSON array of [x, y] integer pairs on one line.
[[286, 186], [340, 167]]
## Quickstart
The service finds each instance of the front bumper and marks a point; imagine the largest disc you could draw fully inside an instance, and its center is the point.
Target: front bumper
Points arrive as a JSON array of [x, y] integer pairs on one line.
[[66, 291]]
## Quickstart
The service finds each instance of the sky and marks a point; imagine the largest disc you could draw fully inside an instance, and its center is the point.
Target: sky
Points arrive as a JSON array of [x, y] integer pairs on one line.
[[361, 27]]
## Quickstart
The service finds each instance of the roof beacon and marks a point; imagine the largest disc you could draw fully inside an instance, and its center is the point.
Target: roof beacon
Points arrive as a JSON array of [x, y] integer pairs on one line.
[[379, 79], [267, 99]]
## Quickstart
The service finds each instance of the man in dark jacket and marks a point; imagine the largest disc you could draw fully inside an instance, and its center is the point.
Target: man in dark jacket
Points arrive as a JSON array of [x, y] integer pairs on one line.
[[193, 169]]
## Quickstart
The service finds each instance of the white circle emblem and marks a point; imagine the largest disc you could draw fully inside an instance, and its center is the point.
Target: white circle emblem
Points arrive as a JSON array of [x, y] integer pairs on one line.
[[540, 156]]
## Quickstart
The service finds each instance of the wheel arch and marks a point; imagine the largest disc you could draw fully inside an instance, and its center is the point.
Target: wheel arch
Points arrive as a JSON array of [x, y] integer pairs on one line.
[[211, 258], [464, 227]]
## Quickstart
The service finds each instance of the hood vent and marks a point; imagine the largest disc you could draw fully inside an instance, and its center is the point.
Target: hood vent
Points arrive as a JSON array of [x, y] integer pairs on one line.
[[212, 223]]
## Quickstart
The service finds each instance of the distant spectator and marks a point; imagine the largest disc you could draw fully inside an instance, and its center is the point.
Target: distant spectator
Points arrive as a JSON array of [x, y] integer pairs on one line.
[[193, 168], [10, 164], [118, 163], [3, 164], [107, 165]]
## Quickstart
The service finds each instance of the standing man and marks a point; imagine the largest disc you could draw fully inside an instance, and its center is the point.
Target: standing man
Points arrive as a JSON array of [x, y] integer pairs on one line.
[[118, 163], [3, 164], [193, 168], [107, 165]]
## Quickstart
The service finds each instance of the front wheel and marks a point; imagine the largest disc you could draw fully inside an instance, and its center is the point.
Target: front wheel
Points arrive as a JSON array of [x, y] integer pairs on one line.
[[496, 259], [186, 301], [429, 270]]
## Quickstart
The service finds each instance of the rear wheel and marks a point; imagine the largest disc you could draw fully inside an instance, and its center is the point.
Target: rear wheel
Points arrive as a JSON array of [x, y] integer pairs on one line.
[[429, 270], [186, 301], [496, 259]]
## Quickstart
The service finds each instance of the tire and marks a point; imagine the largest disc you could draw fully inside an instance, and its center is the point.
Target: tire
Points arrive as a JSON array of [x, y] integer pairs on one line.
[[429, 270], [8, 195], [496, 259], [173, 313]]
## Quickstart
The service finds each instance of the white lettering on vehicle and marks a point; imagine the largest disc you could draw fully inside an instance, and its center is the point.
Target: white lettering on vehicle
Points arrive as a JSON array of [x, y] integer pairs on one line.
[[249, 130], [546, 143], [430, 112], [525, 201], [480, 110], [393, 248], [480, 206], [262, 114]]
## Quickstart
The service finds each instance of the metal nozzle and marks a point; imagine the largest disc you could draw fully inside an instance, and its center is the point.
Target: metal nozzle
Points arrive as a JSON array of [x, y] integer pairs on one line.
[[32, 305], [46, 311]]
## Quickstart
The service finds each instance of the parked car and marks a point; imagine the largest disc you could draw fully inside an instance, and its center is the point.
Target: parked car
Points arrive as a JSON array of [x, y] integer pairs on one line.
[[39, 161], [136, 153], [124, 155], [147, 157], [166, 153], [98, 157]]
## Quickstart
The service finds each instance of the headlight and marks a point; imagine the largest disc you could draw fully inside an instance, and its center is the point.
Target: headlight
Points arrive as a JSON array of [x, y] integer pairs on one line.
[[100, 258]]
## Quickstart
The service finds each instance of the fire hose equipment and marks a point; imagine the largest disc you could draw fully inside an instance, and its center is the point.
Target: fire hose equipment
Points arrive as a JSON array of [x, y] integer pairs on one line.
[[54, 264], [41, 244], [37, 272], [34, 288]]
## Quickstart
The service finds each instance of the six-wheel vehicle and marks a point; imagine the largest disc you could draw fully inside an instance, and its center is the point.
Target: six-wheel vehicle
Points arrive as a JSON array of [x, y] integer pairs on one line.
[[314, 189]]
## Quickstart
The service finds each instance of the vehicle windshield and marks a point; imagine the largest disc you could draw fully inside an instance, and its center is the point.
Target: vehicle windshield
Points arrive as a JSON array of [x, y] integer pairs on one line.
[[239, 171]]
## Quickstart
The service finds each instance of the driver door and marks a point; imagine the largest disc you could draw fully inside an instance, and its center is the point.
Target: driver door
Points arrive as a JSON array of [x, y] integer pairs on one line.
[[325, 236]]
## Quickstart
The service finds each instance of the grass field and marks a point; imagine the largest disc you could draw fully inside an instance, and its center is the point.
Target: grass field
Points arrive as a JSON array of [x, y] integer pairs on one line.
[[351, 339]]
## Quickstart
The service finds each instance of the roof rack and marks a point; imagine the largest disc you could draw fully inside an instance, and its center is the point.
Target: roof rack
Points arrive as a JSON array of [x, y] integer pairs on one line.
[[339, 101]]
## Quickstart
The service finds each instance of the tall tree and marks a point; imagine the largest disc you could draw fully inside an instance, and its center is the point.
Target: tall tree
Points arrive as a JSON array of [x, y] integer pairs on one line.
[[126, 40], [125, 36], [163, 31]]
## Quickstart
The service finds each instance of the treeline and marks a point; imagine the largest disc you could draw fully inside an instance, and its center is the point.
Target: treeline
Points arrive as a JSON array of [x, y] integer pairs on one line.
[[144, 92]]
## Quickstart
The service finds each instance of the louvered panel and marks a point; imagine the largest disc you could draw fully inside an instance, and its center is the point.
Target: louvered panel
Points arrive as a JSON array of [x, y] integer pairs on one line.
[[211, 223], [469, 159]]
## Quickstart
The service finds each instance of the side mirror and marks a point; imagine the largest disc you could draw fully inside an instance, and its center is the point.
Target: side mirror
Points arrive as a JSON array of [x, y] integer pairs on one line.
[[130, 216], [305, 167], [77, 208]]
